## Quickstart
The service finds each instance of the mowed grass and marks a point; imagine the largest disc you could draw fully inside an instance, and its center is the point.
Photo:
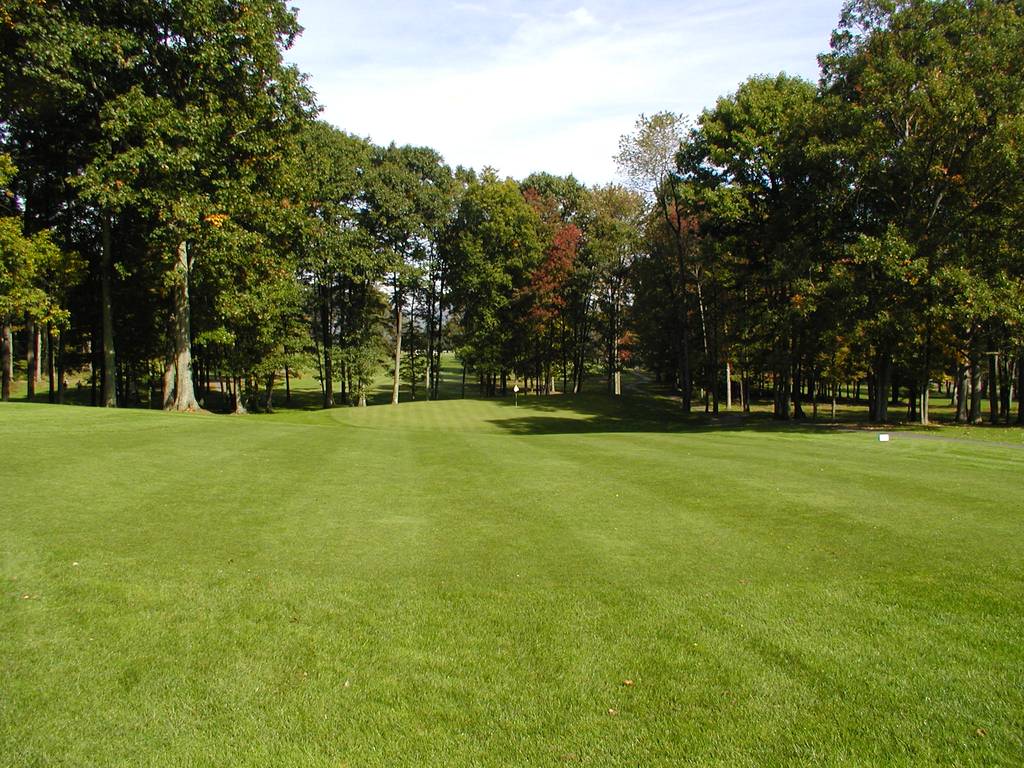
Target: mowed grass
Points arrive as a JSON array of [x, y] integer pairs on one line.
[[470, 583]]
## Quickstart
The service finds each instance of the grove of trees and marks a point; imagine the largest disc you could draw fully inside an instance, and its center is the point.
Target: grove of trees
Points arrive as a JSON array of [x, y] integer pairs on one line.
[[178, 228]]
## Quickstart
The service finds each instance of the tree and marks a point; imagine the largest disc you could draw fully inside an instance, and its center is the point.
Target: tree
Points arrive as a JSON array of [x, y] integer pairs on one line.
[[197, 135], [613, 223], [648, 159], [492, 247], [25, 263], [932, 101], [336, 256], [408, 199], [752, 151]]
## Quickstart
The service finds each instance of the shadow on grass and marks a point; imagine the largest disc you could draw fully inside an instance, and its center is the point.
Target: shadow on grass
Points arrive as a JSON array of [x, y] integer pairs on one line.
[[644, 407], [581, 414]]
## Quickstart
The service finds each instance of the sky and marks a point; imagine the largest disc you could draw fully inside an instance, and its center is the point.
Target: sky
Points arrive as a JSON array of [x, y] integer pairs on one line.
[[542, 86]]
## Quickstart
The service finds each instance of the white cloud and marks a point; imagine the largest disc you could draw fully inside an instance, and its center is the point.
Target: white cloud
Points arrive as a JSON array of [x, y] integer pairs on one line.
[[533, 89], [582, 17]]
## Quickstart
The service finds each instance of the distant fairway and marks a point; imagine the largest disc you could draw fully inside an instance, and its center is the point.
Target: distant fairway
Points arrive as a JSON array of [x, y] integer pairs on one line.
[[466, 583]]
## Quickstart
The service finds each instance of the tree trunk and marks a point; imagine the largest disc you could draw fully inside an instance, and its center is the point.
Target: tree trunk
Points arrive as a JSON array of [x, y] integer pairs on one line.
[[184, 398], [993, 389], [709, 367], [239, 401], [961, 394], [813, 391], [6, 361], [412, 347], [108, 396], [974, 415], [61, 383], [50, 372], [1005, 388], [798, 409], [268, 400], [883, 374], [1020, 390], [398, 343], [780, 408], [31, 334], [167, 393], [37, 372], [327, 339], [616, 373]]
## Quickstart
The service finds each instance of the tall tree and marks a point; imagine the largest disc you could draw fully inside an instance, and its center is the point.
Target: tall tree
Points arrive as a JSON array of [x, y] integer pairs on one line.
[[25, 262], [933, 103], [613, 224], [647, 157], [201, 130], [492, 248], [408, 199]]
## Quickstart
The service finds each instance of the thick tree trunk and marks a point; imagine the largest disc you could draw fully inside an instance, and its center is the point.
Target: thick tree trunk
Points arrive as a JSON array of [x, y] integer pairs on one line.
[[167, 391], [184, 392], [268, 399], [108, 395], [239, 400], [6, 361], [974, 415], [780, 408]]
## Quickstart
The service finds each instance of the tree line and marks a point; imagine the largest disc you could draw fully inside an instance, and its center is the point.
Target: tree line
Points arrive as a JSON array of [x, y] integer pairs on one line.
[[179, 223]]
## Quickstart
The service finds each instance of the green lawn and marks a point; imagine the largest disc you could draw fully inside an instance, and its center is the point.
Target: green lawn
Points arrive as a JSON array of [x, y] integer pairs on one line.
[[469, 583]]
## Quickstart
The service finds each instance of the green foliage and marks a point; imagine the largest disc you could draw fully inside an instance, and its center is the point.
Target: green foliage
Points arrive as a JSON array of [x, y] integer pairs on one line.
[[34, 273], [492, 247]]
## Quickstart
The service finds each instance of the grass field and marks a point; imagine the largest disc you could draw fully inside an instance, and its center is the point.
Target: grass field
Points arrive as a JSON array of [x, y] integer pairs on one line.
[[470, 583]]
